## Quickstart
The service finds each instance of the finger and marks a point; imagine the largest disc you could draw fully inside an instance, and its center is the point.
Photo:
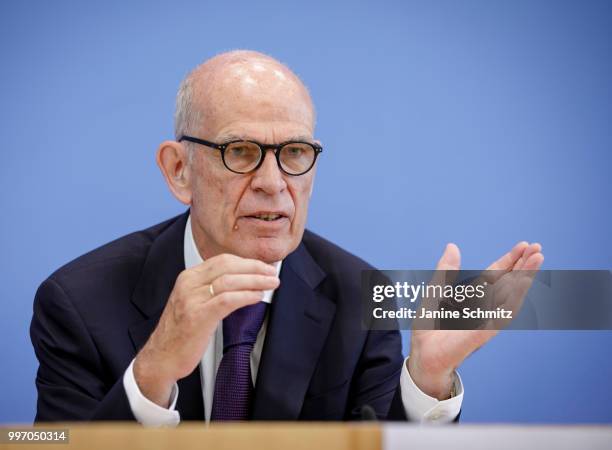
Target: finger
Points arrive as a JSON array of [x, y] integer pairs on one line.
[[530, 250], [511, 291], [226, 303], [226, 263], [534, 262], [504, 264], [507, 261], [519, 281], [243, 282], [450, 259]]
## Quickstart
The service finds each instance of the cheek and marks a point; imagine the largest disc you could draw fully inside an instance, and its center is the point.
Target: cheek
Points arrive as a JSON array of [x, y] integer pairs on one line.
[[208, 196], [218, 198], [301, 197]]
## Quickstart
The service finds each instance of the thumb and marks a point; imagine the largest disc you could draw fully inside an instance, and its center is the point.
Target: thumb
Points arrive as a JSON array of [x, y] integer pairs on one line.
[[450, 259]]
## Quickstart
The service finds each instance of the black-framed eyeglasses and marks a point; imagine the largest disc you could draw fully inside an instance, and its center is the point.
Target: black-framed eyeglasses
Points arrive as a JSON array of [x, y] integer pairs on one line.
[[243, 156]]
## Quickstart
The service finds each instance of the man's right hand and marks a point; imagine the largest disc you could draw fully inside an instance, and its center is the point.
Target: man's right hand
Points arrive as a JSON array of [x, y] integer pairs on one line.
[[192, 315]]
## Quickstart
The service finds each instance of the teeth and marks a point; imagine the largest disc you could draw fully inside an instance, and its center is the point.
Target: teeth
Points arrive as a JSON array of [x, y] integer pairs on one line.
[[268, 216]]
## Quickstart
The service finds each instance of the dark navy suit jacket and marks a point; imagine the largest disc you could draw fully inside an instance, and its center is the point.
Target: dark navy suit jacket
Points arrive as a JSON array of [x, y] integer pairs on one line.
[[93, 315]]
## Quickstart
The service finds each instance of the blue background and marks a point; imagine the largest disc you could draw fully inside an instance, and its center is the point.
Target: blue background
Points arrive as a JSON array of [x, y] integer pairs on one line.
[[478, 122]]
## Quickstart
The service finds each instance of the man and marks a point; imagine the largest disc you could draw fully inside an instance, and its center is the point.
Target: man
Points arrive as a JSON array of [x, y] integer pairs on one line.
[[232, 311]]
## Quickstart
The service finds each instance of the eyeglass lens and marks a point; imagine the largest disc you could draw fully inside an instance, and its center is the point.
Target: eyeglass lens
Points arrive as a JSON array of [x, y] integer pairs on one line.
[[295, 158]]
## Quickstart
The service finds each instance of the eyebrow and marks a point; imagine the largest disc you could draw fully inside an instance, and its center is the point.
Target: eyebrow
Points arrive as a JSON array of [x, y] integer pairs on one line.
[[224, 138], [230, 137]]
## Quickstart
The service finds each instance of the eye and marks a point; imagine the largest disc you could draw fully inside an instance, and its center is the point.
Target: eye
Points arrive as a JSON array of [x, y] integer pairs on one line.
[[237, 151], [294, 151]]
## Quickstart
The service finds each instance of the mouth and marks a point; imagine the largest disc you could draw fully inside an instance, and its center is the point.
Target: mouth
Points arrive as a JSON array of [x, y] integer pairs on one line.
[[267, 216], [265, 223]]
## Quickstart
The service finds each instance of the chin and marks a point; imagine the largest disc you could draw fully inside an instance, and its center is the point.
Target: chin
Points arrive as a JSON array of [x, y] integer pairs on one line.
[[268, 250]]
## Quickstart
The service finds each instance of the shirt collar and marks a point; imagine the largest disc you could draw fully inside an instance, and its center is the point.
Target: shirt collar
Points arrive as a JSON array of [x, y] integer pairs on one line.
[[193, 257]]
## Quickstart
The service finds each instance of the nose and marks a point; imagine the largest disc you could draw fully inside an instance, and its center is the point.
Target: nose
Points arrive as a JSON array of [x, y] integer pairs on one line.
[[268, 178]]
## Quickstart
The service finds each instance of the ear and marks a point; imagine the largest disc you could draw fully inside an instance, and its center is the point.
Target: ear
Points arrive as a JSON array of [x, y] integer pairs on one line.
[[172, 159]]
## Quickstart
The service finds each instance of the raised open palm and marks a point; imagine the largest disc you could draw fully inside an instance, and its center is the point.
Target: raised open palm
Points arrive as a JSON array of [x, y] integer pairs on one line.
[[435, 354]]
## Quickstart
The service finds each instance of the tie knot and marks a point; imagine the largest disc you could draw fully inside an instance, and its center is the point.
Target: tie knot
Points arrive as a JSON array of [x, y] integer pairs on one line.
[[242, 326]]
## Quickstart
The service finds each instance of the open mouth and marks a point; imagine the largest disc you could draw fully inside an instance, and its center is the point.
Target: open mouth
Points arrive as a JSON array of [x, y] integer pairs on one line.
[[267, 217]]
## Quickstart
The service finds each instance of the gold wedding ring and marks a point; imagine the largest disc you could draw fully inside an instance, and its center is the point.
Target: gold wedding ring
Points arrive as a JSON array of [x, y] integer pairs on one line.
[[211, 290]]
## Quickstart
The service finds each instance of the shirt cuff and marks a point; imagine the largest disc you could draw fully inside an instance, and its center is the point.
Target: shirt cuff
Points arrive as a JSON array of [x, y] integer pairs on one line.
[[145, 411], [422, 408]]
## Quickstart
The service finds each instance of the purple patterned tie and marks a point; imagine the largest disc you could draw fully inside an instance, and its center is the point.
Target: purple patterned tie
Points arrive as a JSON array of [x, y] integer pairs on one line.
[[233, 386]]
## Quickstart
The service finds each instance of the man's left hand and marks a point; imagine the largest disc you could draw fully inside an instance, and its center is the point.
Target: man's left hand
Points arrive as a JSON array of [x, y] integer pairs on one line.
[[435, 354]]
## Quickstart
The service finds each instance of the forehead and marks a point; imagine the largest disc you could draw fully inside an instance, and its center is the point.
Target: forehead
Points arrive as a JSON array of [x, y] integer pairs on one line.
[[250, 95], [265, 133]]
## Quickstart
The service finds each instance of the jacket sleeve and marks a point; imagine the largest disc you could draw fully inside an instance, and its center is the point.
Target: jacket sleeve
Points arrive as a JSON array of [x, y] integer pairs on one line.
[[377, 381], [70, 379]]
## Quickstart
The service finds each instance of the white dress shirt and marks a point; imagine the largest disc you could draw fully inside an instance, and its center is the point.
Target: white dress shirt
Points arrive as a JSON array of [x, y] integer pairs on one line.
[[419, 406]]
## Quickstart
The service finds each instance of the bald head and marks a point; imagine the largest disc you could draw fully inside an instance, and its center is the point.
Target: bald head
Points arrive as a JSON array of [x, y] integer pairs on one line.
[[240, 87]]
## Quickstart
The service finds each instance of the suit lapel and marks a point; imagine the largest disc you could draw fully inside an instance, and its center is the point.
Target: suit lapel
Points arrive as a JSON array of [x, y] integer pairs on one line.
[[163, 264], [299, 322], [298, 325]]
